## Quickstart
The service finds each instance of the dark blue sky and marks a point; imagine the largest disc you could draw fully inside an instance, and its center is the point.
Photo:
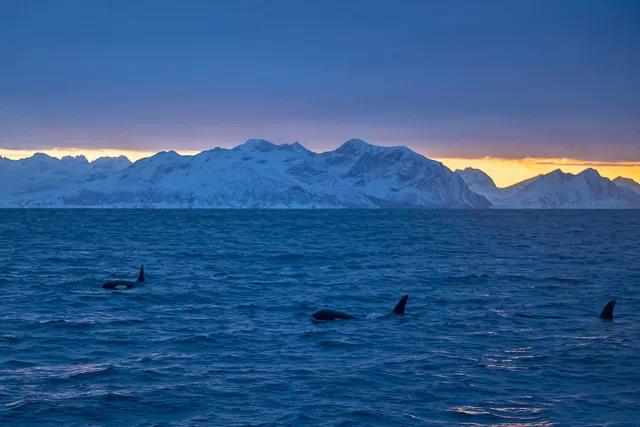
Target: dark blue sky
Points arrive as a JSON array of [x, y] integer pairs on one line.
[[451, 78]]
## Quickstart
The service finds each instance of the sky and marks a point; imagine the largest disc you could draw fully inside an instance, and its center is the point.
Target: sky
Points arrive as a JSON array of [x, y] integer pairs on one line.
[[500, 84]]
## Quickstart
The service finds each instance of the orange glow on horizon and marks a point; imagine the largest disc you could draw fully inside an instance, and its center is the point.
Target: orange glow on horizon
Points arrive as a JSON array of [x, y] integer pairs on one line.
[[504, 172]]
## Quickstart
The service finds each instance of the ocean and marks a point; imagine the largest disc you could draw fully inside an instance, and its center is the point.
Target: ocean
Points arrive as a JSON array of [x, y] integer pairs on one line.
[[501, 326]]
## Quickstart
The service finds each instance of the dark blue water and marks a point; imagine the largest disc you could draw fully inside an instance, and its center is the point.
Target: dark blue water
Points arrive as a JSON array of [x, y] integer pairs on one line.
[[221, 333]]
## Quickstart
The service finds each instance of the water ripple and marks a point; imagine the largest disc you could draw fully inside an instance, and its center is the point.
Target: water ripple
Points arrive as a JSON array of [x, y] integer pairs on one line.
[[501, 326]]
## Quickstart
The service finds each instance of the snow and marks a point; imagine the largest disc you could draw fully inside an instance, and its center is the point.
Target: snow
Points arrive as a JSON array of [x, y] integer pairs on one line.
[[481, 183], [557, 189], [111, 163], [397, 176], [627, 183], [260, 174], [586, 190], [256, 174]]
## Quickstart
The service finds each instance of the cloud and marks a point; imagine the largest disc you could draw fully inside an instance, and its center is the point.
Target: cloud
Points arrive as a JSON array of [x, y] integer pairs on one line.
[[585, 163]]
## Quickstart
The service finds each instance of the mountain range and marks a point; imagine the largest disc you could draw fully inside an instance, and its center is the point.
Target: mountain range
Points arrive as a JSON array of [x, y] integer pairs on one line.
[[259, 174], [559, 190]]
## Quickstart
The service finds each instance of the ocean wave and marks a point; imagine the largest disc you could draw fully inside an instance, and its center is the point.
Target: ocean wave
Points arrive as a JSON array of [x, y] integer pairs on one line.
[[469, 277], [341, 343], [221, 334]]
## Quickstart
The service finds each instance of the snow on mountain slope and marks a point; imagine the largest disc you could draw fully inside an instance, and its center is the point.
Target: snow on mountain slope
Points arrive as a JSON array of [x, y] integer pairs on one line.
[[627, 183], [398, 176], [585, 190], [40, 172], [481, 183], [259, 174], [554, 190], [515, 188], [43, 174], [110, 164]]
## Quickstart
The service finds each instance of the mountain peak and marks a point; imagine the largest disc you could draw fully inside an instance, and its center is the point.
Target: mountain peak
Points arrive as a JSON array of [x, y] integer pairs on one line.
[[555, 176], [257, 145], [355, 142], [162, 157], [77, 159], [296, 147], [41, 156], [471, 170], [111, 163], [475, 177], [623, 179], [107, 158], [40, 161], [627, 183], [590, 173], [353, 146]]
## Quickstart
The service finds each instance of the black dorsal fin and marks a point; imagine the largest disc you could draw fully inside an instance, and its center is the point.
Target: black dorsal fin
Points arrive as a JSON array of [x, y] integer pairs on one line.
[[141, 275], [399, 308], [607, 311]]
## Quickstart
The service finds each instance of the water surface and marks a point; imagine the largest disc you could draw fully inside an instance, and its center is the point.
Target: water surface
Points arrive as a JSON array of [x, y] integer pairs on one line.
[[221, 333]]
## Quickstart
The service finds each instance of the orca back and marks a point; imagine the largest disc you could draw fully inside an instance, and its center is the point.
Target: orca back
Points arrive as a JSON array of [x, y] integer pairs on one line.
[[124, 284], [331, 315], [607, 311], [119, 285], [399, 308]]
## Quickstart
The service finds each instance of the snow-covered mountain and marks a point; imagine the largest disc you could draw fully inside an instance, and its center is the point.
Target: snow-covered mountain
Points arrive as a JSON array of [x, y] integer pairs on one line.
[[557, 189], [111, 163], [397, 176], [627, 183], [257, 174], [40, 172], [481, 183], [564, 190]]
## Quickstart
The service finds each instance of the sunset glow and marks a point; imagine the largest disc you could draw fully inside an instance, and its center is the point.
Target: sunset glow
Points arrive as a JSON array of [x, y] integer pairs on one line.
[[504, 172]]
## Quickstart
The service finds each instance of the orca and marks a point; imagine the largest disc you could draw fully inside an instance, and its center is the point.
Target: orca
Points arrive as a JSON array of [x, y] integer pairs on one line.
[[607, 311], [119, 285], [324, 315], [606, 314]]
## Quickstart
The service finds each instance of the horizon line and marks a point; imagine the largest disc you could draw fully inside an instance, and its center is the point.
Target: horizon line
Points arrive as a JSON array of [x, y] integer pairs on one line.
[[504, 171]]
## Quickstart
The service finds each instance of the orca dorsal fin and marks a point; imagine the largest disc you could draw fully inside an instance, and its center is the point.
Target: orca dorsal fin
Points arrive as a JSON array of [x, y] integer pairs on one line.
[[141, 275], [607, 311], [399, 308]]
